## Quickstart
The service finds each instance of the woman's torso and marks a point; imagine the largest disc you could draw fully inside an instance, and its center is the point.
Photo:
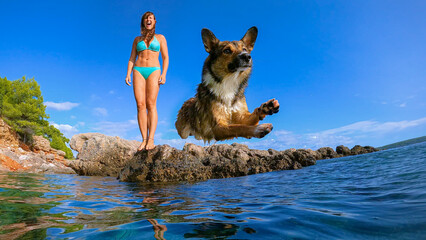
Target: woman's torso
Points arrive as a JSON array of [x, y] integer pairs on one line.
[[148, 53]]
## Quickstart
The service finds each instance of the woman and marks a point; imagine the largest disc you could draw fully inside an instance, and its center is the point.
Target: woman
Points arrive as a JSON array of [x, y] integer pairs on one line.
[[147, 76]]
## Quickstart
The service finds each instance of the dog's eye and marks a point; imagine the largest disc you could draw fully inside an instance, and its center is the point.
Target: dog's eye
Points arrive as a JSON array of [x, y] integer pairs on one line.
[[245, 49], [227, 51]]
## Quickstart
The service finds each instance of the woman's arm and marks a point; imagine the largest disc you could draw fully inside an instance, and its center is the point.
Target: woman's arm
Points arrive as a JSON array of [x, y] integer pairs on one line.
[[131, 63], [165, 56]]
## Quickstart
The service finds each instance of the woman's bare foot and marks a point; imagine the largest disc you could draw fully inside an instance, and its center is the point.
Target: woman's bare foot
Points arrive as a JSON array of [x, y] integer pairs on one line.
[[143, 145], [150, 144]]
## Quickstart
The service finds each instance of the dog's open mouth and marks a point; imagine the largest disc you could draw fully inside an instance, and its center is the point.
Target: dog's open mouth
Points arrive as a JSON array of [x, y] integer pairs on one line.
[[247, 65], [244, 67], [239, 67]]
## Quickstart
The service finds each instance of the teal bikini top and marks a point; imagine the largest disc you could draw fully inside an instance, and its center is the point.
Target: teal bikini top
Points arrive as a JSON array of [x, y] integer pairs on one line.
[[153, 46]]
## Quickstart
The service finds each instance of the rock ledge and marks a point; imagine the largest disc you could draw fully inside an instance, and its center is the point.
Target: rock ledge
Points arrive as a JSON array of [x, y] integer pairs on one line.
[[111, 156]]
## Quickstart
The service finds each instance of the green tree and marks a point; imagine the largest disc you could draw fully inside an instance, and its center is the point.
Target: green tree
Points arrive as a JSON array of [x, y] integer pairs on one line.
[[21, 106], [5, 89], [57, 140]]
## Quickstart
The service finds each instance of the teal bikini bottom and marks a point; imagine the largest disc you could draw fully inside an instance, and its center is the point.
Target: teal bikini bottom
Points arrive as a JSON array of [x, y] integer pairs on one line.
[[146, 71]]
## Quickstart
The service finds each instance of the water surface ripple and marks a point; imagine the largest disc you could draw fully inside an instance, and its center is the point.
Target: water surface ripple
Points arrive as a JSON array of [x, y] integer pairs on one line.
[[374, 196]]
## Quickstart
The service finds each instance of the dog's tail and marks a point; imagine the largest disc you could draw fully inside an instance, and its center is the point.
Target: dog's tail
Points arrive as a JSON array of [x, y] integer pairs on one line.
[[185, 118]]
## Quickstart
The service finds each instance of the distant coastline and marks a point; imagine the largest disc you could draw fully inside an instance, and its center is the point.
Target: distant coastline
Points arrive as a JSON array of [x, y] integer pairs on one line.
[[403, 143]]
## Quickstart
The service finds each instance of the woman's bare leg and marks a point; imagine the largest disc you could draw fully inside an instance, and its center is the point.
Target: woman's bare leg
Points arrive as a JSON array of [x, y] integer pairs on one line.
[[152, 88], [139, 88]]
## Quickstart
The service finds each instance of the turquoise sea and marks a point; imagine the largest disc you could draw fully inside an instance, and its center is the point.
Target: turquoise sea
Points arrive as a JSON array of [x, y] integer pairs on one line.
[[374, 196]]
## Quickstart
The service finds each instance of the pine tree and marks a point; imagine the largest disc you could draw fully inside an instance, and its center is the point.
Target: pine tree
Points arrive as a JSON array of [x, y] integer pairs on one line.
[[21, 106]]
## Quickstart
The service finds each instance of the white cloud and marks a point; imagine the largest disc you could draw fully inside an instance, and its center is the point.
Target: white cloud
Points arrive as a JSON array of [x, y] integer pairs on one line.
[[95, 97], [111, 92], [64, 106], [162, 123], [346, 135], [119, 129], [66, 129], [100, 112], [374, 127]]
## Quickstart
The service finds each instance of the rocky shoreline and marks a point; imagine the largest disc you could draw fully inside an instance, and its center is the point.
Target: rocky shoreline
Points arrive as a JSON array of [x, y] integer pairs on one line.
[[101, 155], [15, 156]]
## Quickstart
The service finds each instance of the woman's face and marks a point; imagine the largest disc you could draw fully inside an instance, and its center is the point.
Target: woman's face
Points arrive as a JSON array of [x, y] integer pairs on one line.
[[149, 22]]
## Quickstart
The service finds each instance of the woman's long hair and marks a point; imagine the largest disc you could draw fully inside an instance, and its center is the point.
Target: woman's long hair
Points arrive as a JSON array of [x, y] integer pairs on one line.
[[147, 35]]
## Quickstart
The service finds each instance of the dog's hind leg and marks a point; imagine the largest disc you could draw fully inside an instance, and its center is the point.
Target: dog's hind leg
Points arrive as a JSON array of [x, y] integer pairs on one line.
[[223, 132]]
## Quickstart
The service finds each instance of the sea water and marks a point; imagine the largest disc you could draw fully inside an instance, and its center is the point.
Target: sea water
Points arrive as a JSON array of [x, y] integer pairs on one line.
[[380, 195]]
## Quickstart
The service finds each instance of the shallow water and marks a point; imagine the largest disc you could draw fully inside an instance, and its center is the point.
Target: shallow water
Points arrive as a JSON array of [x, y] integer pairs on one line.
[[374, 196]]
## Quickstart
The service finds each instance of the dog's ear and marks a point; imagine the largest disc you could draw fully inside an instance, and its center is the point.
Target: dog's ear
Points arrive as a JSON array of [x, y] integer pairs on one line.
[[209, 39], [250, 37]]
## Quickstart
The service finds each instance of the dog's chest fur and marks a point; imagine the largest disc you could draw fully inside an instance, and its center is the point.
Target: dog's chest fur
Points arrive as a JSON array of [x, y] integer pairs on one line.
[[227, 89]]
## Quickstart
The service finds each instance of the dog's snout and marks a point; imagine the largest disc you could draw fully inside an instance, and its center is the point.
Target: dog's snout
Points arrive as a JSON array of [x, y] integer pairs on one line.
[[240, 63], [245, 57]]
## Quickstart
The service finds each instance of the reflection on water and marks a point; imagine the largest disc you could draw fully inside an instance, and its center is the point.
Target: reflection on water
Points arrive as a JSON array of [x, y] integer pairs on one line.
[[357, 197], [48, 206]]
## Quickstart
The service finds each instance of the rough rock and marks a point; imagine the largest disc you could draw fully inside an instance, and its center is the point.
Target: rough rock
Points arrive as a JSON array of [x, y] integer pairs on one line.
[[167, 164], [12, 160], [41, 143], [61, 153], [7, 135], [370, 149], [327, 153], [343, 150], [194, 163], [8, 164], [101, 155], [306, 157], [111, 156], [15, 156], [357, 149], [50, 157]]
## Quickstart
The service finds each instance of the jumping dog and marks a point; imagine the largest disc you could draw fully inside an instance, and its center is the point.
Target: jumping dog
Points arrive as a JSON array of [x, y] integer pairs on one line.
[[219, 109]]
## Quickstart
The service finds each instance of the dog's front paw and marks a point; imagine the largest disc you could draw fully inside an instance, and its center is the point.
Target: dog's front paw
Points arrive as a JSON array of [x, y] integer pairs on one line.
[[262, 130], [268, 108]]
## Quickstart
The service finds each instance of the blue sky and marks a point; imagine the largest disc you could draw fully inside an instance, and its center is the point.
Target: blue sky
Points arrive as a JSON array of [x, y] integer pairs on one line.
[[344, 72]]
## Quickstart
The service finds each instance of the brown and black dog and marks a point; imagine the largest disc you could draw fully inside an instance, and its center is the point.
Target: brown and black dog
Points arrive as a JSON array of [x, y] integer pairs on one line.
[[219, 109]]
